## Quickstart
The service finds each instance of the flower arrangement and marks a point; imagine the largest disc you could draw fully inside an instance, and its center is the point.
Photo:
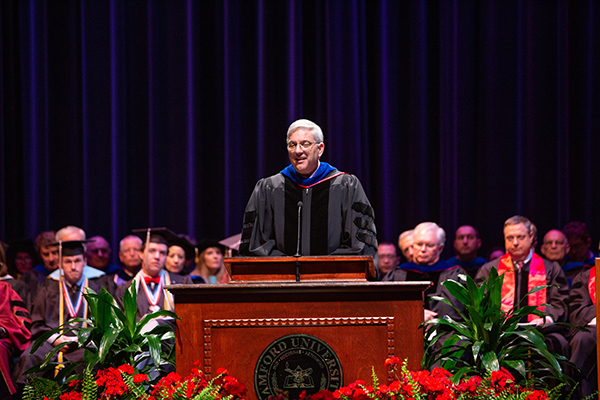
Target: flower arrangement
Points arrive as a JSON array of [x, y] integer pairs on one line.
[[434, 385], [123, 383]]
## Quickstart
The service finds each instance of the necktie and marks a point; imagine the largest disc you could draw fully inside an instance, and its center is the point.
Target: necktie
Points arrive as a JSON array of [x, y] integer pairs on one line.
[[518, 265]]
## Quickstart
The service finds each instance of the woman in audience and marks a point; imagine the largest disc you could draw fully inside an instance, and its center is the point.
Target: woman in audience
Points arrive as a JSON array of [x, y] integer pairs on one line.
[[179, 250], [209, 264], [21, 257]]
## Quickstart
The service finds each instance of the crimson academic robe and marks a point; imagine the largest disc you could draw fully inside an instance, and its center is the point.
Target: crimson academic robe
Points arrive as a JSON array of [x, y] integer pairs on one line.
[[15, 318]]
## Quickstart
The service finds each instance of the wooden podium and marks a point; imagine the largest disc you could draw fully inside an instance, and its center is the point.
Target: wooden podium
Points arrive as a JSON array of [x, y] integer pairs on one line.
[[261, 322]]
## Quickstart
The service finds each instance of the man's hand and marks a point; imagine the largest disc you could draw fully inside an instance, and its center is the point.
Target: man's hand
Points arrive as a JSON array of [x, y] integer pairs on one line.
[[541, 321], [429, 315], [72, 344]]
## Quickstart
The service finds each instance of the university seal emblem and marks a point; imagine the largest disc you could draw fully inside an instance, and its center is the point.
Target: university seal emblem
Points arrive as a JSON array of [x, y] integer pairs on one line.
[[297, 363]]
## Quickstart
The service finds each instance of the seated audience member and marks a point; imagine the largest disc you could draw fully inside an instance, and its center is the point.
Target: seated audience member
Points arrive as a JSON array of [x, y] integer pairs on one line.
[[579, 254], [496, 252], [429, 240], [20, 287], [209, 265], [21, 258], [70, 233], [15, 335], [130, 255], [388, 258], [582, 312], [405, 242], [466, 244], [152, 278], [47, 311], [44, 244], [523, 270], [180, 250], [555, 246], [98, 254]]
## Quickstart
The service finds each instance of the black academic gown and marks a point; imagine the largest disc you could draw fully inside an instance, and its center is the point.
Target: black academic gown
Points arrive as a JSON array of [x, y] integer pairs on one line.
[[556, 296], [336, 218], [143, 304], [583, 344], [439, 273], [46, 316]]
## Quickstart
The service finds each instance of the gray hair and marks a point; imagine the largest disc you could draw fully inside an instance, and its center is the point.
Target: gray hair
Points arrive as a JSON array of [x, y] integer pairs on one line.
[[67, 230], [136, 238], [518, 219], [432, 226], [315, 129]]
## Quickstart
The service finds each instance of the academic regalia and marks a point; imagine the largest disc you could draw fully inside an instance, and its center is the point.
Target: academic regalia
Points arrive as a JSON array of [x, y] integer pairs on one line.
[[436, 273], [144, 301], [111, 282], [583, 344], [48, 314], [336, 216], [15, 318], [471, 266], [556, 297], [573, 268]]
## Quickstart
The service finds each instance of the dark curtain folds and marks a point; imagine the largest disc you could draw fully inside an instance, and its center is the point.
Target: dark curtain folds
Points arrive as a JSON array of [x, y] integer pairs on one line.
[[126, 114]]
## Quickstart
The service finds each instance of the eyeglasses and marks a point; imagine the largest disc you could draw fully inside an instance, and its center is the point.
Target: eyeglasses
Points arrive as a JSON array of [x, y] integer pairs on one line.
[[305, 145]]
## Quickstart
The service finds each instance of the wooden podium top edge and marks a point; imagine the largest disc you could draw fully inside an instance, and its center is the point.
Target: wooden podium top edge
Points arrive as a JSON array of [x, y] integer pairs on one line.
[[310, 285]]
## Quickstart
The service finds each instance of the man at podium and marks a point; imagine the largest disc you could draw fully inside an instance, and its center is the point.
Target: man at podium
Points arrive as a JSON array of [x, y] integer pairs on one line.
[[309, 208]]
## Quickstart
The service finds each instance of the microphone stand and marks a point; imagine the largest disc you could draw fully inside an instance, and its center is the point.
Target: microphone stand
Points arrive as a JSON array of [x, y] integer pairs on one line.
[[298, 244]]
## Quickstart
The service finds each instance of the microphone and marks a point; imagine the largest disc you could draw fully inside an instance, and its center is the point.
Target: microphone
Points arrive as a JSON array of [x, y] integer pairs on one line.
[[300, 204]]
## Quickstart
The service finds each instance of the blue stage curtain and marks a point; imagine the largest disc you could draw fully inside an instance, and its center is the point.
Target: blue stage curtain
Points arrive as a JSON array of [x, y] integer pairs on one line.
[[126, 114]]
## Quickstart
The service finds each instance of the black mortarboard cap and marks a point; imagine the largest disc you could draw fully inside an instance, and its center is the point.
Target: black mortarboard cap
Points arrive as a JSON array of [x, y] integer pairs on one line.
[[157, 235], [205, 244], [186, 245], [72, 247]]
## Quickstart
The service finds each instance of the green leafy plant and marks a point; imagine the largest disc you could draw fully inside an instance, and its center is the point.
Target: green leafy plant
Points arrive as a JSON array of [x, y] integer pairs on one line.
[[487, 339], [113, 337]]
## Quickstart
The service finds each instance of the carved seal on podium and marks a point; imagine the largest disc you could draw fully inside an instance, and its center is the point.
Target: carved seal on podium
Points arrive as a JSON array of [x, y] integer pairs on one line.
[[297, 363]]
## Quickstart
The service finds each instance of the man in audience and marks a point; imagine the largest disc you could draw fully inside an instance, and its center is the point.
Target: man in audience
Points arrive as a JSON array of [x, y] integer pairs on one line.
[[153, 277], [388, 258], [555, 246], [48, 251], [579, 254], [98, 254], [405, 242], [47, 311], [582, 312], [130, 254], [523, 270], [70, 233], [429, 240], [466, 244]]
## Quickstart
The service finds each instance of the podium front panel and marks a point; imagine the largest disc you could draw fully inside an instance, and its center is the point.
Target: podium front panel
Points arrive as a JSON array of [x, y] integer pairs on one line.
[[362, 323]]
